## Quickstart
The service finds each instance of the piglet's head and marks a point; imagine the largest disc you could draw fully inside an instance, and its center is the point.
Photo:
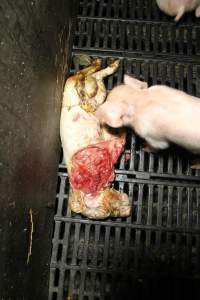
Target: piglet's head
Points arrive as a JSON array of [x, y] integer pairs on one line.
[[119, 108], [112, 113]]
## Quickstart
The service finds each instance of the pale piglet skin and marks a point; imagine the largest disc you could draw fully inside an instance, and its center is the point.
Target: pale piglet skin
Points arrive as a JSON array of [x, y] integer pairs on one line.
[[177, 8], [158, 114]]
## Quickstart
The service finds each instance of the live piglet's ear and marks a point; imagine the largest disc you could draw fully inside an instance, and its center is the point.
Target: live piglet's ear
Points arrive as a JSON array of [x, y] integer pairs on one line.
[[135, 83]]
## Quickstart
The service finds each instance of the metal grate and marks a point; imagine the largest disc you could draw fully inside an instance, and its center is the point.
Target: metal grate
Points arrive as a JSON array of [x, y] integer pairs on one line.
[[158, 246], [136, 37], [140, 10]]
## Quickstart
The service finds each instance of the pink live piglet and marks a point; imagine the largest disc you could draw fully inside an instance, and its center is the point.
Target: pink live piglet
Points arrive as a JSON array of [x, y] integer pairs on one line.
[[177, 8], [159, 114]]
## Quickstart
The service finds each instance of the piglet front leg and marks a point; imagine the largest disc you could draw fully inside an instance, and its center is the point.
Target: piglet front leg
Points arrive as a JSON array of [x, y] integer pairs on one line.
[[196, 164], [197, 12]]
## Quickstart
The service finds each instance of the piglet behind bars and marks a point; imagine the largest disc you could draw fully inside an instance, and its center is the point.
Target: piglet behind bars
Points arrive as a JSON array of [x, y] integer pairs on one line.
[[177, 8], [159, 114]]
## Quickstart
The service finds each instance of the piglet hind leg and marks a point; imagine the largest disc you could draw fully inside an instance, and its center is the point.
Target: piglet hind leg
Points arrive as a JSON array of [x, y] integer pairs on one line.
[[94, 67], [107, 71], [179, 14], [197, 12]]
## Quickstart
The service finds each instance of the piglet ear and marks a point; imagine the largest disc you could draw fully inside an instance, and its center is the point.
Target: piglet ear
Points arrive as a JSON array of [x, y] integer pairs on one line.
[[135, 83]]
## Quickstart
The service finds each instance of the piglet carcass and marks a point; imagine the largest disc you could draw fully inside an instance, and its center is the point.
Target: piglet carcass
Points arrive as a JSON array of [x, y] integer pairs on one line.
[[90, 150]]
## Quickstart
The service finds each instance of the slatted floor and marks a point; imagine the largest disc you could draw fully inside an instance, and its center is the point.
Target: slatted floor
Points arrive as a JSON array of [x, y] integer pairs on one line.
[[157, 248]]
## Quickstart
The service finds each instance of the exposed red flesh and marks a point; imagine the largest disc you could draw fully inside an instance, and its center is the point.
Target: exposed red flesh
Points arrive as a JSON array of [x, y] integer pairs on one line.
[[93, 166]]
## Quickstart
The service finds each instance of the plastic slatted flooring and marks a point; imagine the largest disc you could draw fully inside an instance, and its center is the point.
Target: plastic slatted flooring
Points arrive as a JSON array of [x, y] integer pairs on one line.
[[158, 246]]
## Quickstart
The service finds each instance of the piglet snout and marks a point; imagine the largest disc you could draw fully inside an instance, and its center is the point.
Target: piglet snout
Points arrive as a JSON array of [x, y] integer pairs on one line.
[[107, 114]]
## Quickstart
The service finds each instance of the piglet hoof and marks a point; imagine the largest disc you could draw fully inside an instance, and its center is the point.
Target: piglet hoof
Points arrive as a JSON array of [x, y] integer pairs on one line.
[[147, 148], [195, 165]]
